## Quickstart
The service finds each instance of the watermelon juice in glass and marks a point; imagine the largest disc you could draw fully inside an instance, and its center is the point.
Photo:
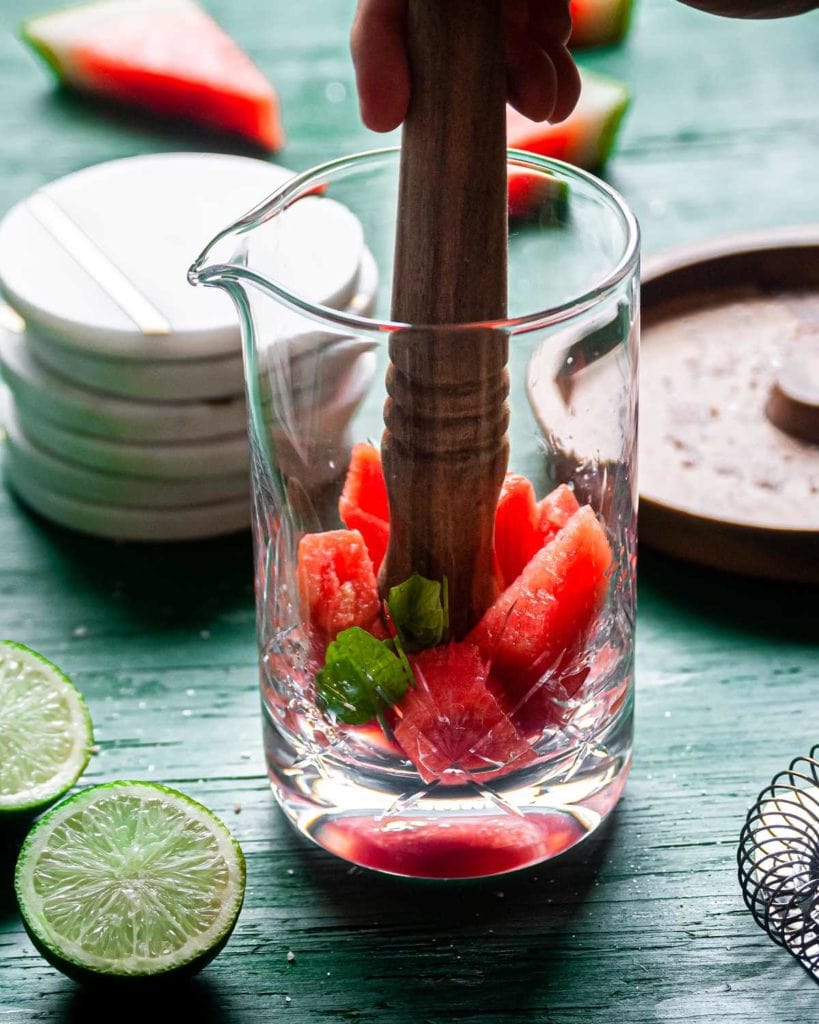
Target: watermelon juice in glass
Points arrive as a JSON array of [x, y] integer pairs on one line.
[[401, 733]]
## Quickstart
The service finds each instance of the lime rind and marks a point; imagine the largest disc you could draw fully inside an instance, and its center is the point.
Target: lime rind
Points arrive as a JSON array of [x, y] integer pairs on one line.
[[135, 864], [45, 731]]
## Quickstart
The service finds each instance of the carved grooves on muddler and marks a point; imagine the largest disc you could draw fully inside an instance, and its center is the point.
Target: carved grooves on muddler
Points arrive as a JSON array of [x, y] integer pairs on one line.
[[445, 449]]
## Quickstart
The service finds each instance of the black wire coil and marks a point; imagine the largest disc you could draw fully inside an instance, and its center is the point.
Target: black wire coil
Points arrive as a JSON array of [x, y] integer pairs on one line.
[[778, 860]]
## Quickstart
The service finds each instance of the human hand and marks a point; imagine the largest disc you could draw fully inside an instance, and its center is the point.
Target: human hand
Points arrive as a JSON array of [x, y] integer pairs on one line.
[[542, 80], [754, 8]]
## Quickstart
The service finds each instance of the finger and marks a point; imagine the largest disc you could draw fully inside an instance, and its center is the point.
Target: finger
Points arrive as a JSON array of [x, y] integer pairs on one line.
[[377, 42], [567, 77], [530, 77], [550, 19], [516, 14]]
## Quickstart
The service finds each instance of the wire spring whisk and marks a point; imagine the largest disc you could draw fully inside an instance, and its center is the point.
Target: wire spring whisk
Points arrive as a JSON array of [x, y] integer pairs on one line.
[[778, 860]]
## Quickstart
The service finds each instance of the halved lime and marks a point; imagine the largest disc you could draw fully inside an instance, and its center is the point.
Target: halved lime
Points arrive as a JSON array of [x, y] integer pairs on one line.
[[45, 732], [129, 880]]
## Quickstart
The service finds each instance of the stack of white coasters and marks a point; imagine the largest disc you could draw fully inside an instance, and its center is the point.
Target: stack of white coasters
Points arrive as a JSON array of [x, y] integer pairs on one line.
[[125, 413]]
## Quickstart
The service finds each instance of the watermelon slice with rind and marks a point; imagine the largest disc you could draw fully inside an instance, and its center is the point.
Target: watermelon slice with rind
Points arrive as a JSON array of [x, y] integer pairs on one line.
[[598, 22], [587, 136], [451, 727], [166, 56], [537, 196]]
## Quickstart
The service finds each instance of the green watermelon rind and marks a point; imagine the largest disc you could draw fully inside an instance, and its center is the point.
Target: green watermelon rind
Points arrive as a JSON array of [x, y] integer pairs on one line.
[[614, 31], [614, 119], [41, 48], [31, 32], [624, 24], [611, 129]]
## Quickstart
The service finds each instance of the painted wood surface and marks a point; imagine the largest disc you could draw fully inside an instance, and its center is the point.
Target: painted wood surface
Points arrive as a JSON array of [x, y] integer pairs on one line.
[[646, 923]]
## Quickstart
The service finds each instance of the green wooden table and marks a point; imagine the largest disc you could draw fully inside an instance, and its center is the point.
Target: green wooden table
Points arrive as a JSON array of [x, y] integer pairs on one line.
[[643, 924]]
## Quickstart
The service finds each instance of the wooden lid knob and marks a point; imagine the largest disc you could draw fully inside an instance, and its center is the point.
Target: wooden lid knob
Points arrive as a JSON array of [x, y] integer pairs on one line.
[[793, 404]]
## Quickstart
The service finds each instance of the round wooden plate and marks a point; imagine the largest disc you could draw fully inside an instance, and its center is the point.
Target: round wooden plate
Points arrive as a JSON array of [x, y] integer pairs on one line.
[[720, 483], [729, 403]]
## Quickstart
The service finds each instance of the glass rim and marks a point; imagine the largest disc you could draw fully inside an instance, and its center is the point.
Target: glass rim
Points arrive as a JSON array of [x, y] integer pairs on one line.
[[294, 189]]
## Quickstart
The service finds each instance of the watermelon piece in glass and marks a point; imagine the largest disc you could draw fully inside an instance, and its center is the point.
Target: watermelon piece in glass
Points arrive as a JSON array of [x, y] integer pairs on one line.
[[450, 725], [363, 504]]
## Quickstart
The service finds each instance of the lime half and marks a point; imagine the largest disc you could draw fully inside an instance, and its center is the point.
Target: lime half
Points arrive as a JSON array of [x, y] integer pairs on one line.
[[45, 732], [129, 880]]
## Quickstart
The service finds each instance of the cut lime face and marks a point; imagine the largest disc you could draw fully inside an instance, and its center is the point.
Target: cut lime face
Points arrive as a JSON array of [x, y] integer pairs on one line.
[[129, 880], [45, 731]]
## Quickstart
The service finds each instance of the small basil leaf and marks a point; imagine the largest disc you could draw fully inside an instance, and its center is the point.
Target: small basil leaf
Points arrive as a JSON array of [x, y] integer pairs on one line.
[[418, 610], [360, 674]]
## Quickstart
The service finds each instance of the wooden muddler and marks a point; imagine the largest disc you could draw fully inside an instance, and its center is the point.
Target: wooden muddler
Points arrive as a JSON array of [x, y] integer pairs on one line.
[[445, 449]]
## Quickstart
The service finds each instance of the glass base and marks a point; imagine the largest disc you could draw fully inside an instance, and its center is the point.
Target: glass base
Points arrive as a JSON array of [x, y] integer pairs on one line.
[[452, 832]]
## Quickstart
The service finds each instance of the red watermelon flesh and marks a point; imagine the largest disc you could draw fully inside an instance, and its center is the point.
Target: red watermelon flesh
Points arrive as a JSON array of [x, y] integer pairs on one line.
[[364, 505], [537, 195], [541, 703], [554, 511], [467, 847], [166, 56], [598, 22], [586, 137], [517, 533], [336, 581], [451, 727], [542, 615]]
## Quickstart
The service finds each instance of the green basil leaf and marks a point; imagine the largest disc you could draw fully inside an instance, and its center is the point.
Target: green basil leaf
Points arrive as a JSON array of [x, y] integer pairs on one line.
[[359, 676], [419, 611], [394, 644]]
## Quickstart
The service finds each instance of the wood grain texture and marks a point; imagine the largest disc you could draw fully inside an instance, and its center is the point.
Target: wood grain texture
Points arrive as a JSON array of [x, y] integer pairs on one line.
[[646, 925], [445, 449]]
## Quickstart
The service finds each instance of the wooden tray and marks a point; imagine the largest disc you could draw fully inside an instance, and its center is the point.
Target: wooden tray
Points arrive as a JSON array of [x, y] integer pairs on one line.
[[719, 483]]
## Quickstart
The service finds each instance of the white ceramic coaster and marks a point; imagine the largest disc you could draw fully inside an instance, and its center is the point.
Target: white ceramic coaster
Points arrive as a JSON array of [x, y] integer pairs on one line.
[[166, 381], [102, 415], [29, 462], [119, 523], [99, 259], [313, 444], [314, 250], [180, 380], [310, 441], [190, 460], [366, 288]]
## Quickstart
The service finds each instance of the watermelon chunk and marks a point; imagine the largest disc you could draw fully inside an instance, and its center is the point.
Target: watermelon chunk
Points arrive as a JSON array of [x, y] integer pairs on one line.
[[451, 725], [517, 533], [364, 505], [336, 581], [166, 56], [554, 511], [534, 704], [543, 614], [598, 22], [523, 526], [587, 136]]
